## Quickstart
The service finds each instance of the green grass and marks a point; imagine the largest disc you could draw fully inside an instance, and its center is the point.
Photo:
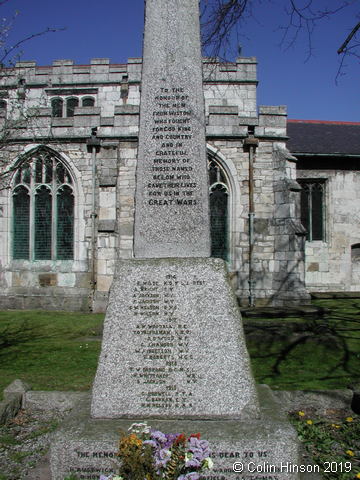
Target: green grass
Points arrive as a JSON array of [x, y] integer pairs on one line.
[[59, 351], [318, 352], [49, 350]]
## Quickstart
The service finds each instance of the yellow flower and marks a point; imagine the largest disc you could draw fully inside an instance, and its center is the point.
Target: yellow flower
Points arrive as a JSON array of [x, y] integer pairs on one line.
[[135, 440], [349, 419], [358, 475], [309, 422], [301, 414], [334, 425], [350, 453]]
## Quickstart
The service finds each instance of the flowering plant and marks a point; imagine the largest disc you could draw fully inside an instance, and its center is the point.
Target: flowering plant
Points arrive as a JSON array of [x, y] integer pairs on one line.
[[147, 454]]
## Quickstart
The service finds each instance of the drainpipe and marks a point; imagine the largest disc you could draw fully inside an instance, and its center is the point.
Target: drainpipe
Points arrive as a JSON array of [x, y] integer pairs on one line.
[[251, 143], [93, 146]]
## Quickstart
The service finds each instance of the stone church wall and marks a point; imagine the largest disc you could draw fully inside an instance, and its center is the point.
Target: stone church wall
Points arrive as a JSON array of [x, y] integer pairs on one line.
[[277, 265], [332, 265]]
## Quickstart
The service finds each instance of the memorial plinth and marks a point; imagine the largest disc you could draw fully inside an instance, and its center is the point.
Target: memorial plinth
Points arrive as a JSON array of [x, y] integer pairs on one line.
[[173, 350], [265, 446], [173, 344]]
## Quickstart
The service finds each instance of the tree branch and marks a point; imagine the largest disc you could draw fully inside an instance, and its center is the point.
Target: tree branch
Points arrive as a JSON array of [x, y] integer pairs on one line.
[[348, 39], [9, 50]]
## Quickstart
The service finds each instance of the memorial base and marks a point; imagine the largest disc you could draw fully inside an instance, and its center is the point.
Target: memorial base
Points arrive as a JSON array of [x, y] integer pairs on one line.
[[267, 447], [173, 344]]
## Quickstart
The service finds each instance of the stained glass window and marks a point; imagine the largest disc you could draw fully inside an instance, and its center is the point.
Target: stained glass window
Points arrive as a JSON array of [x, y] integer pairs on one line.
[[312, 208], [65, 223], [43, 208], [219, 199], [21, 222], [43, 221]]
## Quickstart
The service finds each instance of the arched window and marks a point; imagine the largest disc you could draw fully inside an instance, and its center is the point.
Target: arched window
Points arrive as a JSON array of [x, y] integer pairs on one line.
[[219, 208], [43, 209], [71, 104], [3, 105], [88, 102], [57, 107], [312, 208]]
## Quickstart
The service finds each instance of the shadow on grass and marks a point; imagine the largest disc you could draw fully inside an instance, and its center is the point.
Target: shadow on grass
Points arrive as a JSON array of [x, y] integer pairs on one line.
[[15, 335], [318, 352]]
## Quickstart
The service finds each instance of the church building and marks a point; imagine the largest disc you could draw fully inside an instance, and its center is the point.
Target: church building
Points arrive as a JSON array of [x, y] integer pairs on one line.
[[284, 194]]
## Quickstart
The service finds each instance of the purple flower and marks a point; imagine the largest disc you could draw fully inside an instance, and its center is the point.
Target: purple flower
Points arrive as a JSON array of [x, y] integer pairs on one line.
[[193, 462], [199, 448], [158, 436], [189, 476], [152, 443], [162, 457]]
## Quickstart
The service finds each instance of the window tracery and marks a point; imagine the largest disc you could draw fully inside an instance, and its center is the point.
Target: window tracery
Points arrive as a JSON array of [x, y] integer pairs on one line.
[[43, 209]]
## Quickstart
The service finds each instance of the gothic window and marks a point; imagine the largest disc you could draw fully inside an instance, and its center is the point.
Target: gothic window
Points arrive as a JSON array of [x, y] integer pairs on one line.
[[71, 104], [88, 102], [312, 208], [43, 209], [219, 199], [57, 107]]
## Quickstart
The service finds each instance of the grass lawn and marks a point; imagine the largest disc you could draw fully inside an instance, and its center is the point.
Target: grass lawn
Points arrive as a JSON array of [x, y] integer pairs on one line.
[[59, 350], [316, 352], [49, 350]]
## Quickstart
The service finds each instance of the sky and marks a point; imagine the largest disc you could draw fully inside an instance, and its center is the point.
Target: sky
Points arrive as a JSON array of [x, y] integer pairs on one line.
[[309, 86]]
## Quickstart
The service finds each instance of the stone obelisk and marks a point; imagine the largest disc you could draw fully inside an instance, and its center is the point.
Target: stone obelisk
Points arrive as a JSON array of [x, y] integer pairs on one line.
[[172, 212], [173, 344]]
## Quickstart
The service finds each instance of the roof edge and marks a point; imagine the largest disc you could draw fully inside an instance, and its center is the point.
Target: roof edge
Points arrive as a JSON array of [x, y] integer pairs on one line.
[[326, 122]]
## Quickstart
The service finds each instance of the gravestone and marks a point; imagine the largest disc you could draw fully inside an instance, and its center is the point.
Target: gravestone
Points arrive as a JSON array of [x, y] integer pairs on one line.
[[173, 350]]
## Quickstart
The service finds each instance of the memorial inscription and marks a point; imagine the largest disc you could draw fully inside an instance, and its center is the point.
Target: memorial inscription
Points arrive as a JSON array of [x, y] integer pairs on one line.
[[162, 338], [248, 462], [165, 344], [173, 183]]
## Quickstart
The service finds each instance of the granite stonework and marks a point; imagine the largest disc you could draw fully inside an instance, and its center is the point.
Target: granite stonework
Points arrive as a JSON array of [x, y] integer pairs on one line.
[[173, 344], [172, 195], [264, 448]]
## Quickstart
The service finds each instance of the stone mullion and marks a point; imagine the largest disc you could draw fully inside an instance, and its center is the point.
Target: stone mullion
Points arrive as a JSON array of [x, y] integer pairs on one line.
[[32, 211], [54, 219]]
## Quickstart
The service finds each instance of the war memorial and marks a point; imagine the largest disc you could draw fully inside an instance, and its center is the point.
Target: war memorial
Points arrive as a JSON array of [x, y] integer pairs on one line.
[[173, 350]]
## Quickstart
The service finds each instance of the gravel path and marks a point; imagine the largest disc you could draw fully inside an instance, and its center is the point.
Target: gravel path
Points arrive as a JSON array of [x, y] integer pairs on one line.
[[23, 443]]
